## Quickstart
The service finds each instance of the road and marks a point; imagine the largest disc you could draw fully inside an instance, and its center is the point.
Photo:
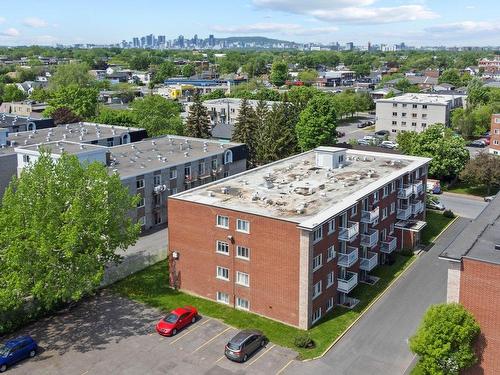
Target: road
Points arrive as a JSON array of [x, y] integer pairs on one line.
[[377, 344], [351, 129], [463, 205]]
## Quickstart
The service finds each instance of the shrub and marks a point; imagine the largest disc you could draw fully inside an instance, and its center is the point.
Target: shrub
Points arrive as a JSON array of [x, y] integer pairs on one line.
[[303, 340], [449, 214]]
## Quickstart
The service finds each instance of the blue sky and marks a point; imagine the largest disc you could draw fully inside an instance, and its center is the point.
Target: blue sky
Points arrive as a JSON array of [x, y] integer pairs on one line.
[[417, 22]]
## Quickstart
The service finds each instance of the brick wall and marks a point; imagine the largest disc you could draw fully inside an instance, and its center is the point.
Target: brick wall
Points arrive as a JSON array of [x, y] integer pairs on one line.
[[480, 294], [495, 134]]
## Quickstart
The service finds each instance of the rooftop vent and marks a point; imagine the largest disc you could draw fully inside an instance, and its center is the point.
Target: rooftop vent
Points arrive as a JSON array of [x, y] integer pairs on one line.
[[224, 190], [82, 147], [497, 246], [210, 193], [186, 154]]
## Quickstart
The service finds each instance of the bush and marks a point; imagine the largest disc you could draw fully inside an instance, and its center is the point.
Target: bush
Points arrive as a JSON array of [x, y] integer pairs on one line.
[[449, 214], [303, 340]]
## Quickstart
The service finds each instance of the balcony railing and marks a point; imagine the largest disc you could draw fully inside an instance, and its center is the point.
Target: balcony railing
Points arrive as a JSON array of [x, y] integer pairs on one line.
[[370, 216], [405, 192], [370, 262], [347, 283], [369, 239], [417, 208], [348, 258], [350, 232], [418, 187], [389, 245], [404, 212]]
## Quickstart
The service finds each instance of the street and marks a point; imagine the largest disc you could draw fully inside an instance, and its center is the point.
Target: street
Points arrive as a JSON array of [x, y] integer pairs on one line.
[[462, 205]]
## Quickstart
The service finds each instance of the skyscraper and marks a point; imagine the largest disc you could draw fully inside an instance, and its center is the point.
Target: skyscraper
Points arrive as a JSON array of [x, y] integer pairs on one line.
[[211, 40], [149, 40], [136, 43]]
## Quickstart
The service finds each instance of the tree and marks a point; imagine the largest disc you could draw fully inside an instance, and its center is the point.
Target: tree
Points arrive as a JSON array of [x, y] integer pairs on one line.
[[451, 76], [317, 123], [444, 340], [39, 95], [476, 93], [12, 94], [61, 223], [70, 74], [279, 73], [82, 101], [299, 96], [123, 117], [198, 121], [188, 70], [63, 115], [244, 128], [308, 76], [483, 169], [158, 116], [261, 135], [216, 94], [139, 62], [446, 149], [166, 70]]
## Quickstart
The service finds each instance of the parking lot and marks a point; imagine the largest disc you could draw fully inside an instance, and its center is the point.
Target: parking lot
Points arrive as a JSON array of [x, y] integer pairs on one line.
[[113, 335]]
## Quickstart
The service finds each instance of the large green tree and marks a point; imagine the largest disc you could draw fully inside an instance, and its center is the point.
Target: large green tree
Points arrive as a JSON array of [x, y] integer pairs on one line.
[[198, 121], [158, 115], [444, 340], [451, 76], [261, 132], [71, 74], [166, 70], [244, 128], [483, 169], [317, 123], [279, 73], [82, 101], [61, 223], [12, 94]]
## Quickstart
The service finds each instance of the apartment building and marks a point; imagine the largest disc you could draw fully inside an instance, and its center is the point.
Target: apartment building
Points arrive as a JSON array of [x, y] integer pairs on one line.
[[26, 108], [474, 281], [415, 112], [15, 123], [292, 239], [153, 168], [490, 65], [84, 132], [495, 134]]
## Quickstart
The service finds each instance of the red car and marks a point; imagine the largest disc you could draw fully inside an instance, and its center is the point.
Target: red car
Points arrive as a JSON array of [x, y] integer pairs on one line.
[[176, 320]]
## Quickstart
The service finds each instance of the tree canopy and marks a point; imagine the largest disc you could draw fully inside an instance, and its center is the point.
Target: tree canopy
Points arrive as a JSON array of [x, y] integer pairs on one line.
[[483, 169], [82, 101], [158, 116], [279, 73], [198, 121], [71, 74]]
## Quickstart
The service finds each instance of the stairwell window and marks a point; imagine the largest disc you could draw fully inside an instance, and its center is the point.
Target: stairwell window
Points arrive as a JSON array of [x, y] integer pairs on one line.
[[243, 226], [330, 279], [329, 304], [316, 315], [317, 289], [331, 226], [317, 262], [331, 253], [318, 234]]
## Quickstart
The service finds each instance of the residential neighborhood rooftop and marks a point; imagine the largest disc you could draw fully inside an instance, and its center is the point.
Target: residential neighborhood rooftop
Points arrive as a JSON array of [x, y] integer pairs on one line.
[[58, 147], [414, 98]]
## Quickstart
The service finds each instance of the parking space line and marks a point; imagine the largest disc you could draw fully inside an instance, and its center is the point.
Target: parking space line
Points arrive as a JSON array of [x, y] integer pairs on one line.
[[86, 372], [256, 358], [284, 367], [219, 359], [212, 339], [189, 331]]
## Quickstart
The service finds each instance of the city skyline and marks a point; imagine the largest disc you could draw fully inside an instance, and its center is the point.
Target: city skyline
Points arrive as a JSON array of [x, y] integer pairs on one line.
[[382, 21]]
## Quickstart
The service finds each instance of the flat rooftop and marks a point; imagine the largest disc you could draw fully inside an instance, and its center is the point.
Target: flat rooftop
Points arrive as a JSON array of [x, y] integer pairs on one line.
[[477, 241], [296, 190], [7, 120], [411, 98], [234, 102], [58, 147]]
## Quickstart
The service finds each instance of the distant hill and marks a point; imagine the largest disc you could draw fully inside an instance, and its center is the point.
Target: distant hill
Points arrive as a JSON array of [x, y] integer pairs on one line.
[[252, 39]]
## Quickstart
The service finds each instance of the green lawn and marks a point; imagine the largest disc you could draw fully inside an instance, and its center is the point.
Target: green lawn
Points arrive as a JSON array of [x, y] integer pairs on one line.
[[463, 188], [436, 222], [150, 287]]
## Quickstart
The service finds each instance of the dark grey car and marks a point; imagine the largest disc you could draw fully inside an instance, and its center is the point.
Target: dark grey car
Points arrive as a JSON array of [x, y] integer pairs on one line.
[[244, 344]]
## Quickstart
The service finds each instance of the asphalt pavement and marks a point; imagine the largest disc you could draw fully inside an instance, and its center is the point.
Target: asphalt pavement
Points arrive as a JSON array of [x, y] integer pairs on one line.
[[378, 343], [463, 205]]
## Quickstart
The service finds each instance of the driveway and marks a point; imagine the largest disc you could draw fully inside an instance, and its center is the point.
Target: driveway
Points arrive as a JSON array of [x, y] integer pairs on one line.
[[108, 334], [463, 205], [351, 130], [377, 344]]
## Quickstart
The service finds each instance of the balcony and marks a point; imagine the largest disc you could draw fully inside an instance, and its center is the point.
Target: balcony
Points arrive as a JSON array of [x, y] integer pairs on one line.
[[347, 283], [404, 212], [405, 192], [389, 245], [369, 217], [370, 262], [348, 258], [417, 207], [418, 187], [369, 239], [350, 232]]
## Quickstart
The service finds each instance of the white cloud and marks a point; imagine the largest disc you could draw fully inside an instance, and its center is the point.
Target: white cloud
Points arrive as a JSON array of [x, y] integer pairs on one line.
[[35, 22], [349, 11], [470, 7], [10, 32], [465, 27], [269, 27], [2, 20]]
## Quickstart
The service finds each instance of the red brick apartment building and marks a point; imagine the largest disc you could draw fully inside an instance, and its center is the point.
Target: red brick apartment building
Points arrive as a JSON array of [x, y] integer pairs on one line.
[[474, 281], [292, 239], [495, 134]]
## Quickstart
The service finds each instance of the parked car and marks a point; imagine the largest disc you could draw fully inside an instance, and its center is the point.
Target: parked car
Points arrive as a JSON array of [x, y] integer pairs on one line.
[[486, 141], [339, 134], [244, 344], [434, 204], [477, 143], [434, 186], [489, 198], [365, 124], [176, 320], [16, 350], [364, 142], [382, 133], [389, 144]]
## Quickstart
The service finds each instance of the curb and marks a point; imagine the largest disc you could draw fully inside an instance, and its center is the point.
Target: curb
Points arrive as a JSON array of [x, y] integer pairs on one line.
[[466, 196]]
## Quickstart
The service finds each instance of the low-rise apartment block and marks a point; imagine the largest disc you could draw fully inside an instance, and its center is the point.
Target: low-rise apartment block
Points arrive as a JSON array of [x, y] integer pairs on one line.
[[292, 239], [153, 168], [15, 123], [415, 112], [474, 281], [495, 134]]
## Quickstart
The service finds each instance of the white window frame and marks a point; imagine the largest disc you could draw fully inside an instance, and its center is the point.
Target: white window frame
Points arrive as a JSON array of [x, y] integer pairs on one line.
[[157, 179], [329, 304], [385, 213], [391, 229], [139, 184], [354, 210], [142, 220], [223, 218], [172, 174], [316, 315], [243, 275], [385, 191], [376, 196], [331, 226], [393, 207], [228, 157], [330, 253], [222, 297], [238, 248], [221, 273], [318, 234], [141, 203], [330, 279], [317, 289], [317, 262], [217, 247], [239, 304], [240, 221]]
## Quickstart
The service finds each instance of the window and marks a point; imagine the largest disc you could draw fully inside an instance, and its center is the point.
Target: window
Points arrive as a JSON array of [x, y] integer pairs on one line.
[[330, 279], [243, 226], [139, 183], [394, 114], [228, 157], [317, 262], [242, 303], [226, 174], [414, 115], [187, 171], [317, 289], [413, 124], [354, 210], [173, 174], [393, 186], [495, 142], [214, 164], [174, 190], [318, 234], [242, 252], [497, 120], [403, 123], [242, 278], [157, 179], [223, 297], [375, 197], [223, 221], [424, 106], [394, 105], [497, 131], [403, 114], [424, 115], [414, 106], [393, 207], [222, 273], [26, 159], [330, 253], [201, 169], [331, 226], [316, 315], [141, 202], [394, 131], [222, 248], [386, 191], [404, 105], [329, 304], [142, 220], [391, 230], [394, 123], [424, 124], [384, 213]]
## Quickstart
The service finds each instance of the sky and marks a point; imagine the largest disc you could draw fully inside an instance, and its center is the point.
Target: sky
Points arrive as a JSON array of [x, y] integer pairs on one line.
[[415, 22]]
